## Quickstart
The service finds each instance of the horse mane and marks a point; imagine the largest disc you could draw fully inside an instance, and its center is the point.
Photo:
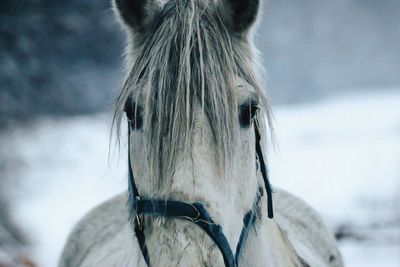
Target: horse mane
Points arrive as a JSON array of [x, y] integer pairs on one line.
[[188, 56]]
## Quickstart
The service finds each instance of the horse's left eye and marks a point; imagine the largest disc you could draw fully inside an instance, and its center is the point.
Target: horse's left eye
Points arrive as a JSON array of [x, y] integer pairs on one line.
[[134, 113], [247, 113]]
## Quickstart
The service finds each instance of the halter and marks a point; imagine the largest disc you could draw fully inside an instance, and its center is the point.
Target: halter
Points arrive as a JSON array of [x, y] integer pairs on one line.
[[196, 212]]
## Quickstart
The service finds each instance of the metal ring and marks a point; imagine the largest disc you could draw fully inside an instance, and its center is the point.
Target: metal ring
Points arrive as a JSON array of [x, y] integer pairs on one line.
[[139, 218]]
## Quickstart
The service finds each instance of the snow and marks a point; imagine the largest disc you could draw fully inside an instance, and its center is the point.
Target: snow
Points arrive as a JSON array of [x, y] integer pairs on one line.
[[66, 172], [340, 155]]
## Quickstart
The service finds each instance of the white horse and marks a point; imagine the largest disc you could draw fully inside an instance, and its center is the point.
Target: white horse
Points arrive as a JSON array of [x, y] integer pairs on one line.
[[198, 190]]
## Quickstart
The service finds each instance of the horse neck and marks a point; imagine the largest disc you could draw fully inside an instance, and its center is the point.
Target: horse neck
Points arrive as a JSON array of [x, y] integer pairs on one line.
[[269, 246]]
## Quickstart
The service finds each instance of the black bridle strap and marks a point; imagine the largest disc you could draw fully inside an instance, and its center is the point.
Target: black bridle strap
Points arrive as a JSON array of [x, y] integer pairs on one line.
[[132, 184], [133, 197], [248, 221], [264, 171], [195, 213]]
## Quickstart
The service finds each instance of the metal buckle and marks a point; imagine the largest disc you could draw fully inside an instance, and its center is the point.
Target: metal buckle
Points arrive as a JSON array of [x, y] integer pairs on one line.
[[193, 220], [198, 214], [139, 221], [197, 218], [138, 217]]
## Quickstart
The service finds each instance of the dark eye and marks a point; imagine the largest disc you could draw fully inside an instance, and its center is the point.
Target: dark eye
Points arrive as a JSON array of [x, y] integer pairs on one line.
[[134, 113], [247, 113]]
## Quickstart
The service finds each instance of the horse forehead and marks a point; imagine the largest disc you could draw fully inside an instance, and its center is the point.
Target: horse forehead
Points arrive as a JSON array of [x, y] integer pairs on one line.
[[244, 91]]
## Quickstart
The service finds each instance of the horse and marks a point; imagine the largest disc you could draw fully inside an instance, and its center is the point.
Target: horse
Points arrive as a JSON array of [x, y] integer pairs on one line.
[[198, 121]]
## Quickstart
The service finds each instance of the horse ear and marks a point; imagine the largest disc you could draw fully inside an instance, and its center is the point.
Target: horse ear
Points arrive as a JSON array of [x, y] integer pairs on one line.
[[240, 14], [137, 14]]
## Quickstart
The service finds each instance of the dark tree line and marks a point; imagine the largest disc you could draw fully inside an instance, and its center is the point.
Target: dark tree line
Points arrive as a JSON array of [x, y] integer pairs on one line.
[[316, 48], [63, 57], [57, 57]]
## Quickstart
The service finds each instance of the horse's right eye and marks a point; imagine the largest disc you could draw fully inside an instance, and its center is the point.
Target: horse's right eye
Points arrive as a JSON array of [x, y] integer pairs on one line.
[[247, 113], [134, 113]]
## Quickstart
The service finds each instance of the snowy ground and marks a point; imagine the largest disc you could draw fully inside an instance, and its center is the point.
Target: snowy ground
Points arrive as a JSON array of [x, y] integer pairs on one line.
[[342, 156]]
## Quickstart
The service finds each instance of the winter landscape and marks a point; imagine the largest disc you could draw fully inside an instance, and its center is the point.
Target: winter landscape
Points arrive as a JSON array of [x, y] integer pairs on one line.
[[340, 155], [332, 75]]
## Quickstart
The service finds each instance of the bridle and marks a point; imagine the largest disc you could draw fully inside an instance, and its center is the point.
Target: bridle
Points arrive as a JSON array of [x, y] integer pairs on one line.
[[195, 212]]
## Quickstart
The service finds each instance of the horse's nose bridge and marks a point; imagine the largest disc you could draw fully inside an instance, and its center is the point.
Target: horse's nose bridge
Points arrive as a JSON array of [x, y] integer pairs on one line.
[[202, 129]]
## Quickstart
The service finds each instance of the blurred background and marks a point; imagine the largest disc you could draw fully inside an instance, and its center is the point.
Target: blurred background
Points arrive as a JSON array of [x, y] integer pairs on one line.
[[333, 77]]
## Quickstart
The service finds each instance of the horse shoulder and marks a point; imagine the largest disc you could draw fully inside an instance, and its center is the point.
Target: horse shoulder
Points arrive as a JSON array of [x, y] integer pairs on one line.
[[97, 228], [313, 241]]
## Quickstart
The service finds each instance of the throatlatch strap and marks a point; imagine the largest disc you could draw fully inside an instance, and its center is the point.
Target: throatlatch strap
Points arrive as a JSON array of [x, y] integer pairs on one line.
[[248, 221]]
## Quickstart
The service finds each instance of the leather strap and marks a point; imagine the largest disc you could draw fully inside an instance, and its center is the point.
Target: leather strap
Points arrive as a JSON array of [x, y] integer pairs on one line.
[[264, 171]]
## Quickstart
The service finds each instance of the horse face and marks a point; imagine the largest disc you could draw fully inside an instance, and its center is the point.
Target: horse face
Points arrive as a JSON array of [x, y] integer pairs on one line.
[[247, 111], [191, 100], [198, 178]]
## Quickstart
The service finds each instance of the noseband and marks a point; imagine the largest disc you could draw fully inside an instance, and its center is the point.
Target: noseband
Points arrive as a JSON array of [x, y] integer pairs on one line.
[[196, 212]]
